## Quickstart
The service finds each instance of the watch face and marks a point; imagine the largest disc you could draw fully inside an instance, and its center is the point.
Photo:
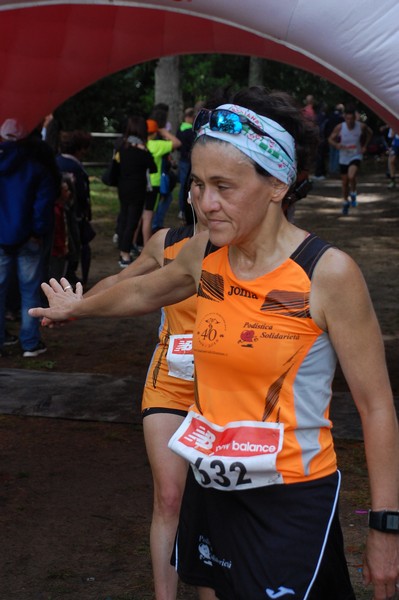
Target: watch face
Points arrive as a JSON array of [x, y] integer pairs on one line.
[[392, 521], [384, 520]]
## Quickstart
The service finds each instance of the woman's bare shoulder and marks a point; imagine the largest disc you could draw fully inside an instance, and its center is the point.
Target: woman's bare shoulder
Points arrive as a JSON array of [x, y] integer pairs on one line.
[[336, 266], [191, 255]]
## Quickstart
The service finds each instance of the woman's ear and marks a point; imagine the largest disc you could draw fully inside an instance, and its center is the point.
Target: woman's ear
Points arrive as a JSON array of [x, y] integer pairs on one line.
[[279, 190]]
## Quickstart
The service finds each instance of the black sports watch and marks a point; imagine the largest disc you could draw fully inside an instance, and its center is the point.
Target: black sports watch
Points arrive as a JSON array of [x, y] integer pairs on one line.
[[384, 520]]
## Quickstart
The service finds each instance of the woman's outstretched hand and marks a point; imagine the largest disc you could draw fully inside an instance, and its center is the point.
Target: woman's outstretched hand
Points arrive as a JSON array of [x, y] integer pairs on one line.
[[61, 299]]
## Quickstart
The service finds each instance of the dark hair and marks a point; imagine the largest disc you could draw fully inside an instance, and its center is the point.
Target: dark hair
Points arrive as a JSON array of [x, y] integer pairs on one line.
[[73, 141], [161, 106], [283, 109], [350, 110], [159, 114], [136, 126], [221, 95], [189, 112]]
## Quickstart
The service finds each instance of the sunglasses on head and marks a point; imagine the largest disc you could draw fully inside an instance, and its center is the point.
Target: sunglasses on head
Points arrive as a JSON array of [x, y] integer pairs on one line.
[[226, 121]]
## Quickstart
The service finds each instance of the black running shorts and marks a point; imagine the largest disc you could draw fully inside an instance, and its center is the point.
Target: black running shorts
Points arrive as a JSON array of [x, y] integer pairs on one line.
[[281, 541]]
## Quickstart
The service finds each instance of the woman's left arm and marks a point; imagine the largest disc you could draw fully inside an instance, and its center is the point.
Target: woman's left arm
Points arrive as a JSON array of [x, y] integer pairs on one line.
[[341, 305]]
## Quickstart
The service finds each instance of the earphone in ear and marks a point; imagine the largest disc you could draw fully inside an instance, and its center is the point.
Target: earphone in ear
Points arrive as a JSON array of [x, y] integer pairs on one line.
[[189, 201]]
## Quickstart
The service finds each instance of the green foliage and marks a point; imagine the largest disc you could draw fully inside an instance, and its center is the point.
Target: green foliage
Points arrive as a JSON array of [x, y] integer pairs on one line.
[[202, 74], [104, 105], [300, 83]]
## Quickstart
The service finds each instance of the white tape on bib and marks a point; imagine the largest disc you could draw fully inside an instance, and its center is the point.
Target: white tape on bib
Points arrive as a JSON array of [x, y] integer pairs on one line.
[[180, 356]]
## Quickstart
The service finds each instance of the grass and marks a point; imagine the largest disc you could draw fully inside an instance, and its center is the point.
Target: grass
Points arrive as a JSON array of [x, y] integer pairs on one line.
[[105, 203], [39, 365]]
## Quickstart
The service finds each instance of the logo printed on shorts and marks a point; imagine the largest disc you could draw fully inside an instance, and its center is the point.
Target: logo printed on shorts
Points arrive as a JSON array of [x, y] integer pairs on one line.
[[282, 591], [206, 554]]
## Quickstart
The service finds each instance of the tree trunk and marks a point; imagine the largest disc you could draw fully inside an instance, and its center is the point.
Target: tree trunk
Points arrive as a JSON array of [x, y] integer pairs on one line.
[[255, 76], [168, 89]]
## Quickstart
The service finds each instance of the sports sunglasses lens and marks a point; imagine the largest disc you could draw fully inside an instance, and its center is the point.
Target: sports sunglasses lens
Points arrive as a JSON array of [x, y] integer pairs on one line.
[[226, 121], [201, 119]]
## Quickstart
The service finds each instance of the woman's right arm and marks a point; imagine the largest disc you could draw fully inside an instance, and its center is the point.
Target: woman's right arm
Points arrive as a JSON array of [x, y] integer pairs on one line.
[[150, 259], [134, 296]]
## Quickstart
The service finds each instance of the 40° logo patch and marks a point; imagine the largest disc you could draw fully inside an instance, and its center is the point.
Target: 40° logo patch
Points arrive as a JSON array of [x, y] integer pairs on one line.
[[211, 330]]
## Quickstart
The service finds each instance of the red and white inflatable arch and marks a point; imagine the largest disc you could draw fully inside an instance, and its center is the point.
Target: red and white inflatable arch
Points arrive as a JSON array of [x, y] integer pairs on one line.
[[50, 49]]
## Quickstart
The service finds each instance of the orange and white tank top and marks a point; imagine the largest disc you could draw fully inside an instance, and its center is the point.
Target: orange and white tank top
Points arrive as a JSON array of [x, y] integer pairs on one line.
[[170, 377], [259, 356]]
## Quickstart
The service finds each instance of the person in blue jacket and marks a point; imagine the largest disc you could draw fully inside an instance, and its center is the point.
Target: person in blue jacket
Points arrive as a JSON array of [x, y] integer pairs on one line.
[[28, 190]]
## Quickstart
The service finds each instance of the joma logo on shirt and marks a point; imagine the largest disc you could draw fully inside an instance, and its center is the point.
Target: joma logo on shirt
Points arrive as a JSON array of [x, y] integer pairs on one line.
[[239, 291]]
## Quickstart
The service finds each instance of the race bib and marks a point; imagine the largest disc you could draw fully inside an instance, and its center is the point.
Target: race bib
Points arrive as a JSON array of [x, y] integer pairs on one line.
[[242, 455], [180, 356], [350, 149]]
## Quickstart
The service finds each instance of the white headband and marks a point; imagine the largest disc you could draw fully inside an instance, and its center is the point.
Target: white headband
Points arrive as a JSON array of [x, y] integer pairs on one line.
[[276, 154]]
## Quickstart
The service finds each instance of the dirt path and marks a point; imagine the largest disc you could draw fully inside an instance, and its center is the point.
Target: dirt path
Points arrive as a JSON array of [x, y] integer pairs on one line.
[[76, 496]]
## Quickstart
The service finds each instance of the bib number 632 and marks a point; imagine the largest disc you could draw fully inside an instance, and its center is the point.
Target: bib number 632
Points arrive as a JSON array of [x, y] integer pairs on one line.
[[215, 472]]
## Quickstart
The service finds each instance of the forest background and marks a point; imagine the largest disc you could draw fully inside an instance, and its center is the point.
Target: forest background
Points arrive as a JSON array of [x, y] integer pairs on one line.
[[181, 81]]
